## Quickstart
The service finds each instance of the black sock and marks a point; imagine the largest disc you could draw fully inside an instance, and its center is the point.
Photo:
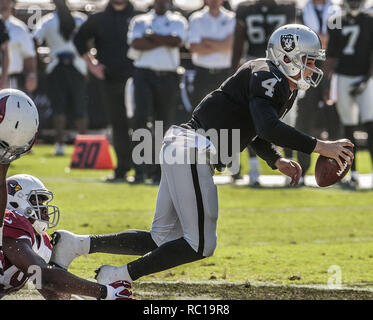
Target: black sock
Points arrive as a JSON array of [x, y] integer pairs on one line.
[[304, 160], [131, 242], [166, 256]]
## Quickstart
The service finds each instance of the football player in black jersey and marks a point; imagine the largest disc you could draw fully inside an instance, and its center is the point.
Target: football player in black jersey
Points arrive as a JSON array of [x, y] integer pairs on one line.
[[251, 102], [256, 21], [350, 51], [312, 115]]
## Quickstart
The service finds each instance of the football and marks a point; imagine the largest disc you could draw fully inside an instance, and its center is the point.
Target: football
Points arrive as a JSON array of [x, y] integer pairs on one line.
[[328, 172]]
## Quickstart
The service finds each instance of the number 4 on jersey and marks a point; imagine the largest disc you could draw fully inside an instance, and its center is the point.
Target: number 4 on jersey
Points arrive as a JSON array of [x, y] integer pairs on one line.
[[269, 84]]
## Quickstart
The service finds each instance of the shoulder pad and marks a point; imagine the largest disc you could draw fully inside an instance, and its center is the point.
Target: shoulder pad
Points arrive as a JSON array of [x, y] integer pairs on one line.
[[268, 83], [16, 226]]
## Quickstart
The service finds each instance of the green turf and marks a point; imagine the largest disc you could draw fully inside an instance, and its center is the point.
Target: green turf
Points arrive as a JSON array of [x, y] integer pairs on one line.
[[273, 234]]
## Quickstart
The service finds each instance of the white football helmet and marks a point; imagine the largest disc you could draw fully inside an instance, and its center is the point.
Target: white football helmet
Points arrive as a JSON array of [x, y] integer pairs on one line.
[[29, 197], [19, 122], [288, 46], [353, 7]]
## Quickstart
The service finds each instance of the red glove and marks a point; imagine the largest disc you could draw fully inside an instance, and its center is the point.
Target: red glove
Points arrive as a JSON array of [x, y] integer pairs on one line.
[[118, 290]]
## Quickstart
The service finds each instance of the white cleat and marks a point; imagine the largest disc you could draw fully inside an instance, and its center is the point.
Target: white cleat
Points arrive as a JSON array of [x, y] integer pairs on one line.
[[67, 246], [108, 274]]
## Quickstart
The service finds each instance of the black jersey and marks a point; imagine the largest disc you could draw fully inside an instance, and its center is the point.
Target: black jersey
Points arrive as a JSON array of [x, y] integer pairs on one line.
[[261, 18], [352, 44], [253, 100]]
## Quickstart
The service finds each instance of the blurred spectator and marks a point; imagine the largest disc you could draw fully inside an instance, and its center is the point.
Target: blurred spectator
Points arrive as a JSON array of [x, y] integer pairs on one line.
[[22, 73], [256, 21], [108, 31], [66, 70], [210, 41], [4, 55], [349, 57], [311, 107], [157, 37]]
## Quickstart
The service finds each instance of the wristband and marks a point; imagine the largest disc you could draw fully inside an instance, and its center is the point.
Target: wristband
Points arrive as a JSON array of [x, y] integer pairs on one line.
[[104, 292]]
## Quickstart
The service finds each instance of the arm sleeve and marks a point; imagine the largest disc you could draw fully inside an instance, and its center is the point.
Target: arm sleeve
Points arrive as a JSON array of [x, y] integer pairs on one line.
[[136, 30], [28, 47], [241, 14], [194, 35], [268, 127], [266, 150], [180, 29], [332, 49], [84, 34]]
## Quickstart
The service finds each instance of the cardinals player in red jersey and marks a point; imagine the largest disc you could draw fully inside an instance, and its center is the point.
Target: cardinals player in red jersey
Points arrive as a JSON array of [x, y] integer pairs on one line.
[[27, 247]]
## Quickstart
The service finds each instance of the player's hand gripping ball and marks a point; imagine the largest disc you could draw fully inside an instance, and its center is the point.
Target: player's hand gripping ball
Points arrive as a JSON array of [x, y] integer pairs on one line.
[[328, 172]]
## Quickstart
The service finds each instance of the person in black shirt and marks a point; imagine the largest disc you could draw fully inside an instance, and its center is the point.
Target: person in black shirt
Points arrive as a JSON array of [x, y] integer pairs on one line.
[[4, 39], [108, 30], [350, 59], [251, 101]]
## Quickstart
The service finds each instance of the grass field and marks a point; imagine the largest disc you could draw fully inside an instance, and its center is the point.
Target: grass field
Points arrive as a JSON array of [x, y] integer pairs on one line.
[[281, 236]]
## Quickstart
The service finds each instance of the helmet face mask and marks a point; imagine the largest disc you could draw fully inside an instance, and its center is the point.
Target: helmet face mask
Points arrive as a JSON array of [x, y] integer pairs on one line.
[[290, 48], [46, 216], [28, 196], [9, 154]]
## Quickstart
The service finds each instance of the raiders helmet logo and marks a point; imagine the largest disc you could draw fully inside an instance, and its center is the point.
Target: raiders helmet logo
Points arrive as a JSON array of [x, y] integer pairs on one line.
[[287, 42], [13, 187]]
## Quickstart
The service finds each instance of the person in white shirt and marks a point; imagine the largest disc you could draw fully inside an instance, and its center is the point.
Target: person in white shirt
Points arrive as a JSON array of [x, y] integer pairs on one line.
[[22, 71], [66, 71], [156, 37], [210, 41]]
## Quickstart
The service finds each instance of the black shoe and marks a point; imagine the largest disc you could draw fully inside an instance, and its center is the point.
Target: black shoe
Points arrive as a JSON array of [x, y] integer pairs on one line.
[[116, 179], [255, 184], [351, 184], [236, 177], [137, 179], [156, 181]]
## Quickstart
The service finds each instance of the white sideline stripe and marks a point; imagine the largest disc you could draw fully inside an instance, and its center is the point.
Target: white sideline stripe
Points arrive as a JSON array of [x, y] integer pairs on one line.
[[365, 180], [323, 287], [318, 241]]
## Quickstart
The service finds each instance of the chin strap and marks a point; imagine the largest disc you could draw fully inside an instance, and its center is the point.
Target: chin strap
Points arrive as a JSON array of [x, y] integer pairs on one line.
[[301, 83]]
